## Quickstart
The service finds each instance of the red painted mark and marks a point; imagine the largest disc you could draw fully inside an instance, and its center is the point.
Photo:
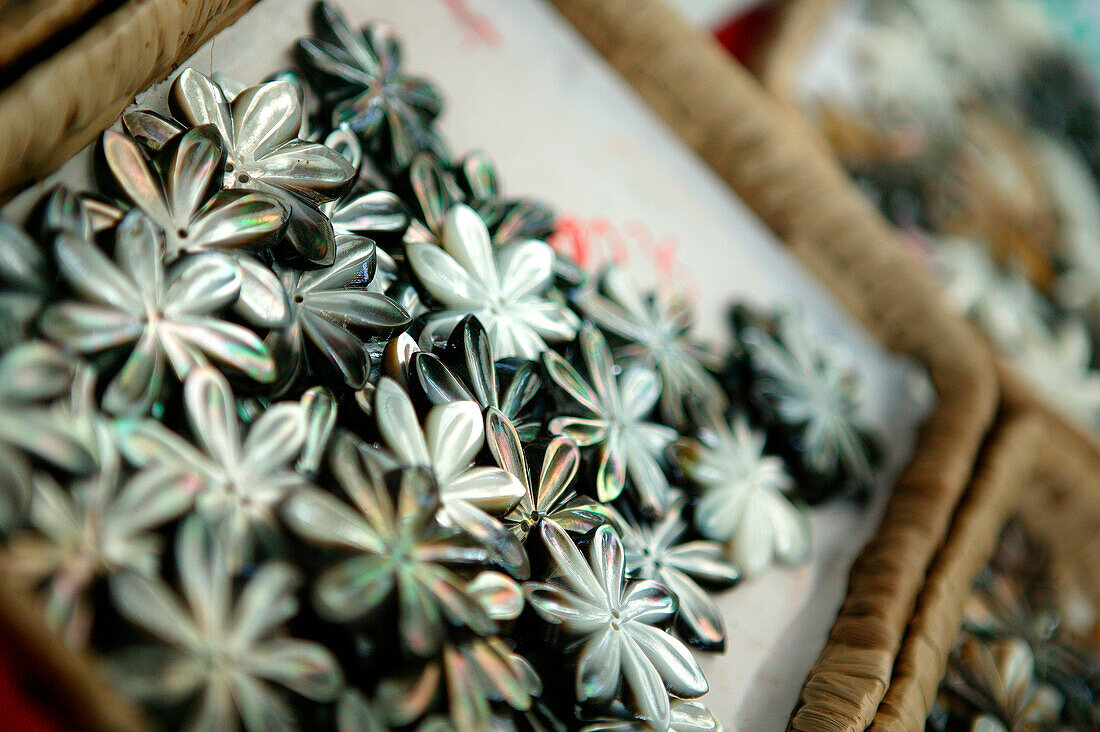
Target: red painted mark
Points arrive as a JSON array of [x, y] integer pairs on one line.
[[474, 22], [571, 238]]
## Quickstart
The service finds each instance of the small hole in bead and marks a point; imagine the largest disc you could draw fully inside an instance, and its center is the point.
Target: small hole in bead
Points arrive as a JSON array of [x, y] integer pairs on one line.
[[299, 299], [243, 178], [229, 167], [182, 233]]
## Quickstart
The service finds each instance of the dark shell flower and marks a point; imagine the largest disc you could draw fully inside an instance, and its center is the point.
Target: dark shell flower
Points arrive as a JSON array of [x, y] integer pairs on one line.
[[469, 371], [998, 679], [365, 85], [613, 416], [434, 192], [617, 621], [231, 653], [814, 390], [24, 279], [179, 195], [100, 525], [474, 676], [333, 315], [259, 130], [743, 495], [239, 479], [654, 552], [551, 498], [655, 329], [508, 219], [33, 377], [398, 548], [162, 318], [505, 289]]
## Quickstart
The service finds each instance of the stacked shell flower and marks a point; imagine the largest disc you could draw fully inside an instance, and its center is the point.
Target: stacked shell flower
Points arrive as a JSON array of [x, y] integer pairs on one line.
[[177, 202], [612, 415], [162, 317], [294, 404], [505, 288], [655, 333], [743, 498], [230, 653], [813, 393], [617, 621], [369, 92]]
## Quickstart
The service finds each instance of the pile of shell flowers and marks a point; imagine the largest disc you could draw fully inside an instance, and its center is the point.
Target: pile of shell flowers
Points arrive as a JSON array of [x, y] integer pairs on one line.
[[305, 425]]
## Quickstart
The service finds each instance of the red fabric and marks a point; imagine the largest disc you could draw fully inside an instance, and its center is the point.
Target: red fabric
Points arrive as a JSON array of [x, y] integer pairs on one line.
[[741, 35], [19, 710]]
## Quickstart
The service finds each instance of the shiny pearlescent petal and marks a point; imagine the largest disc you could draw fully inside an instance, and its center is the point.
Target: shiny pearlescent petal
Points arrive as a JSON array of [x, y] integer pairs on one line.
[[489, 488], [567, 379], [196, 99], [435, 381], [697, 612], [354, 587], [498, 594], [645, 685], [559, 468], [235, 219], [398, 423], [262, 300], [503, 546], [135, 175], [575, 571], [467, 240], [597, 358], [212, 412], [606, 558], [194, 162], [672, 660], [611, 475], [319, 407], [307, 169], [444, 278], [149, 128], [265, 117], [322, 518], [584, 432], [647, 601], [598, 670], [525, 268], [560, 607], [305, 668], [474, 355], [455, 433]]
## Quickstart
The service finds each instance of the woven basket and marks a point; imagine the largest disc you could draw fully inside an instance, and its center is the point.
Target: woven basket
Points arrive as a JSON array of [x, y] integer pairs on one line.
[[1036, 465], [61, 104], [766, 154]]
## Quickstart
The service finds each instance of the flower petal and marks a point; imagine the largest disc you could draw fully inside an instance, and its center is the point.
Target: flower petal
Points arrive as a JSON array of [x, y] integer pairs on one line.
[[671, 659], [466, 238], [398, 423], [598, 670]]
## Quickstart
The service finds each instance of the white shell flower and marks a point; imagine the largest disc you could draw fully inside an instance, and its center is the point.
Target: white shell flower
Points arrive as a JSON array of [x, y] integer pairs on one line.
[[97, 526], [230, 653], [504, 289], [743, 499], [239, 481], [618, 621], [452, 436]]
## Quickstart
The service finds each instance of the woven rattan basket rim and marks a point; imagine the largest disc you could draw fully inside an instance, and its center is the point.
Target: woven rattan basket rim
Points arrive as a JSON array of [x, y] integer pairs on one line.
[[60, 105], [778, 165]]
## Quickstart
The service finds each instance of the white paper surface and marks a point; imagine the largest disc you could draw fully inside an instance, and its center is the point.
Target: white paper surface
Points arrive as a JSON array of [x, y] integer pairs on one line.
[[521, 84]]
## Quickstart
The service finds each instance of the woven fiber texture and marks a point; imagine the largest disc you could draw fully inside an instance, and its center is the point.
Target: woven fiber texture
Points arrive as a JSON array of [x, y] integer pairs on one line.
[[28, 24], [1006, 470], [777, 164], [60, 105]]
